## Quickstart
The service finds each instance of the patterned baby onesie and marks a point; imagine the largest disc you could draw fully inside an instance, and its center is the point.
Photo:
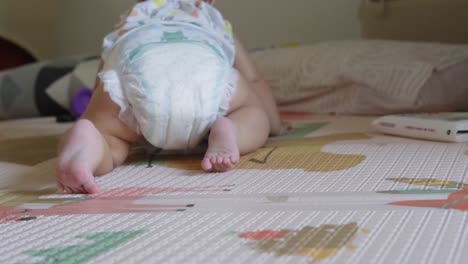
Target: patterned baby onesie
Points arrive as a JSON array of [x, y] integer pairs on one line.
[[194, 19]]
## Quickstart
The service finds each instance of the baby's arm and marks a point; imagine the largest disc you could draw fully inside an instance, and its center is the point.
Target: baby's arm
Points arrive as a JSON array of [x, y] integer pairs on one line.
[[244, 64]]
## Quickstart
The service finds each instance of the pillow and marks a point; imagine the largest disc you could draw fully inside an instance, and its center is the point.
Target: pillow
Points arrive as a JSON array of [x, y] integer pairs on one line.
[[74, 84], [367, 77], [45, 88]]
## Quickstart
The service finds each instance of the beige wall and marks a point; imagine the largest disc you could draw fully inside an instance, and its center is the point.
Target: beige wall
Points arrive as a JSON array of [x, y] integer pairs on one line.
[[85, 22], [258, 23], [280, 21], [52, 28], [261, 24], [21, 22]]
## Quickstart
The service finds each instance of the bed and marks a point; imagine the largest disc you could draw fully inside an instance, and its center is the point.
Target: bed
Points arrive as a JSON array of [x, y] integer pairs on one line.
[[332, 190]]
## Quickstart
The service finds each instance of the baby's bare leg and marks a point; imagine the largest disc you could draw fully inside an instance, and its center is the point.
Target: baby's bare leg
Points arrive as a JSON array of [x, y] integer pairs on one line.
[[244, 129], [93, 146]]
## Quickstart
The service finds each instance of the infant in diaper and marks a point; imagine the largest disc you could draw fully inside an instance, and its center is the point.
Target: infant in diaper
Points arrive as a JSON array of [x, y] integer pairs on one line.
[[172, 73]]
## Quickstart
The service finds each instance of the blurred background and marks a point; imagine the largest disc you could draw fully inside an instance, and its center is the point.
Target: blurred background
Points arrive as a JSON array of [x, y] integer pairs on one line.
[[57, 28], [49, 49]]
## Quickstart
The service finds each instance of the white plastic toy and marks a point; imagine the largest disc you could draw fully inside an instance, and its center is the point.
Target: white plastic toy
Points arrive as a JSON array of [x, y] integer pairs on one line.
[[449, 127]]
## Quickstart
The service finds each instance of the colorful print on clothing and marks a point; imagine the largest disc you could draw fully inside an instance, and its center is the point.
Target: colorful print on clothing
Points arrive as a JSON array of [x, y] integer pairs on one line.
[[176, 14]]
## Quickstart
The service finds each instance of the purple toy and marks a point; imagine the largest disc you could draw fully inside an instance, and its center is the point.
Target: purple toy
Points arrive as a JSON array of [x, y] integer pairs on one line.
[[80, 101]]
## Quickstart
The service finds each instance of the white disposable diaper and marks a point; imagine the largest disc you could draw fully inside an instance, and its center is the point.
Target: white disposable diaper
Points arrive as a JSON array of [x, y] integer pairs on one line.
[[171, 93]]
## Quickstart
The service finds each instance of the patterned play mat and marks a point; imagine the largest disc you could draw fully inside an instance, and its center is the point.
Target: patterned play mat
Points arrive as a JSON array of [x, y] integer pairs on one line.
[[332, 191]]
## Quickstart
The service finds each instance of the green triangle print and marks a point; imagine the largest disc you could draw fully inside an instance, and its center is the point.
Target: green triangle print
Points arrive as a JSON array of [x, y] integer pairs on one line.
[[94, 245]]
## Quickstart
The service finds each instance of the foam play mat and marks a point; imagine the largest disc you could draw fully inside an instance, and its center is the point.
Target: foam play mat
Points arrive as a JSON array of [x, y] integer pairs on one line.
[[330, 191]]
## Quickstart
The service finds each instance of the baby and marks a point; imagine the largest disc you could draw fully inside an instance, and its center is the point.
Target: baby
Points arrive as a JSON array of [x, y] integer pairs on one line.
[[173, 74]]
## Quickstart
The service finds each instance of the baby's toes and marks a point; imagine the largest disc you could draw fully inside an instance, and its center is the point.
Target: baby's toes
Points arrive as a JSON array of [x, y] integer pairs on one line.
[[227, 164], [217, 162], [234, 160], [206, 163], [221, 165], [214, 160]]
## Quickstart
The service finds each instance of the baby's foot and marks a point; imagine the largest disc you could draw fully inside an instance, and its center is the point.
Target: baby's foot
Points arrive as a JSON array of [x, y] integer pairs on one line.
[[223, 152], [80, 150]]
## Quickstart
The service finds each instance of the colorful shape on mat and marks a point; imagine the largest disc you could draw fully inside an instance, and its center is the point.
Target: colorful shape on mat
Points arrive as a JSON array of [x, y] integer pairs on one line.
[[28, 151], [315, 243], [428, 182], [457, 200], [95, 244], [301, 131], [25, 206], [299, 153], [419, 191]]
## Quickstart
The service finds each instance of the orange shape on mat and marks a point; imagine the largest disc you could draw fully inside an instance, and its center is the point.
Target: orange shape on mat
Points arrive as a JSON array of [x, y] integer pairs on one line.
[[315, 243], [301, 153], [122, 200], [456, 200]]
